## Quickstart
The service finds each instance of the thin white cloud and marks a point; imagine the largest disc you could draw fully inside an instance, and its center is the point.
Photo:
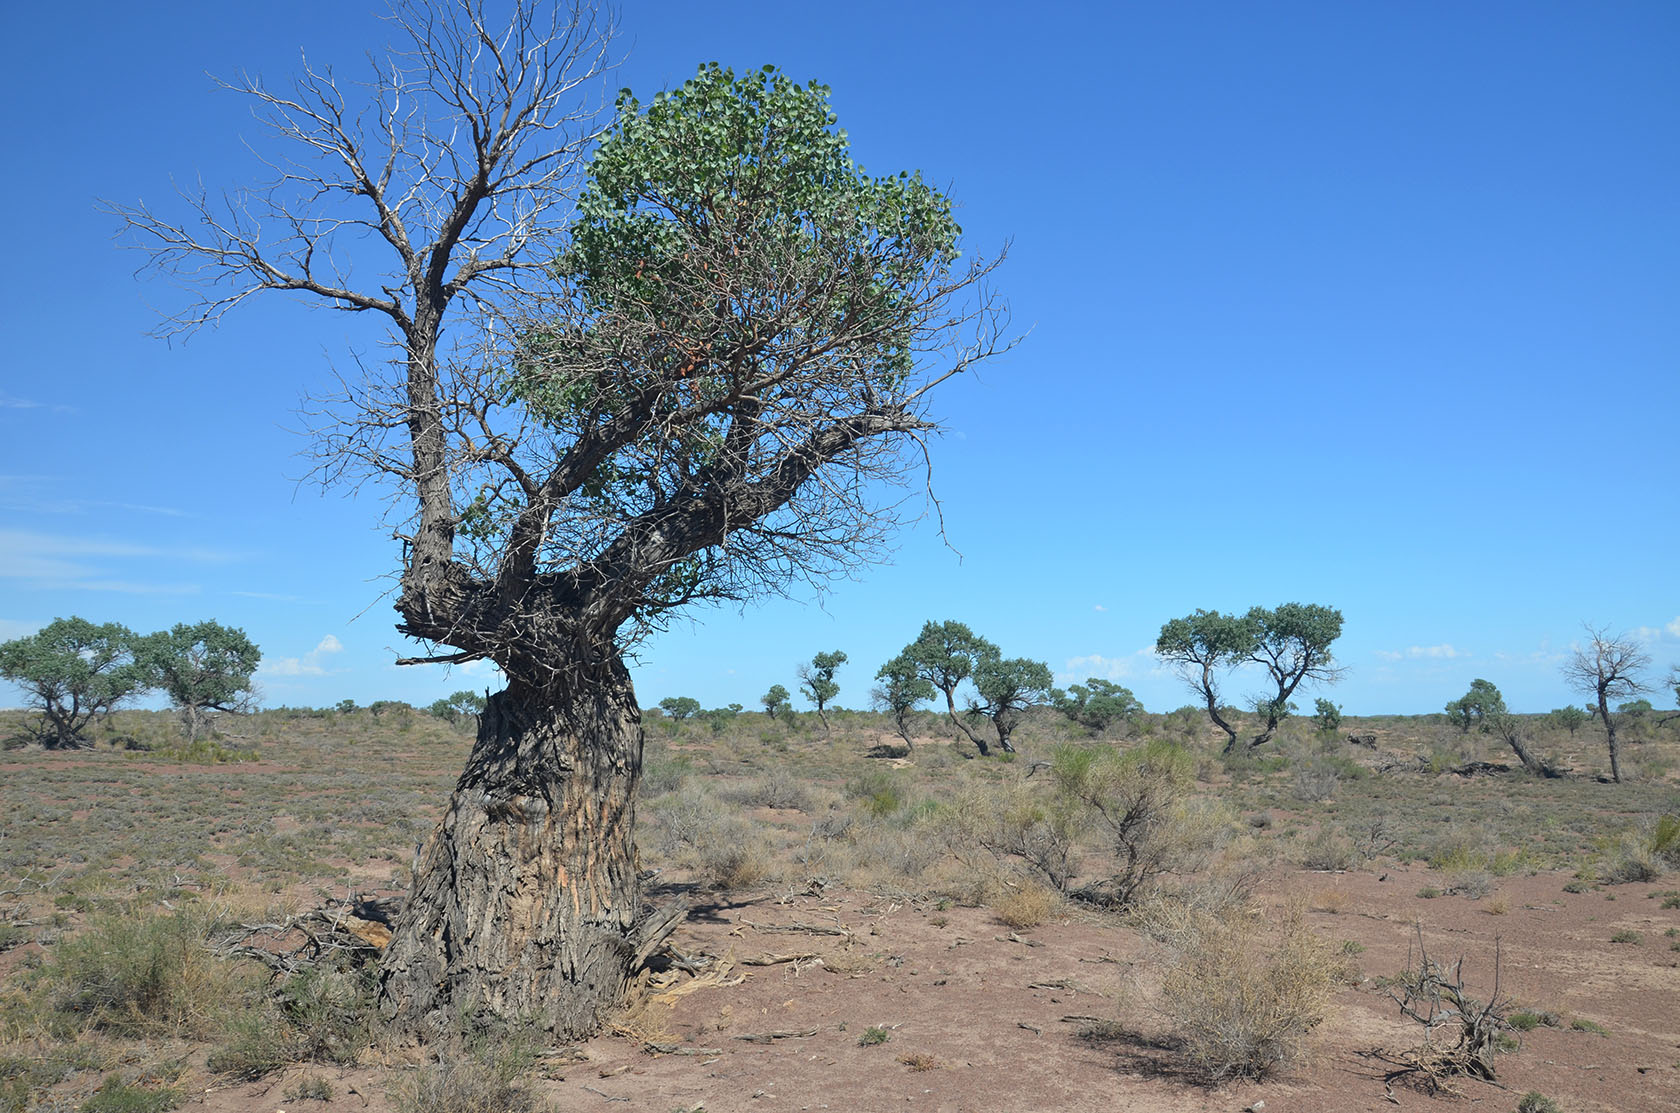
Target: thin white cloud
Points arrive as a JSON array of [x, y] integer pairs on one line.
[[12, 402], [310, 664], [1674, 627], [45, 560], [1077, 669], [1423, 653], [1099, 607]]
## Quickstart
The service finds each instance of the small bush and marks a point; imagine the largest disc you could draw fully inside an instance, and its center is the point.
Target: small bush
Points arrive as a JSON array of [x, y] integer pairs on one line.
[[117, 1096], [1627, 937], [466, 1085], [141, 976], [310, 1088], [1242, 1004], [257, 1045], [1581, 1024], [879, 791], [776, 789], [1027, 906], [873, 1036], [1536, 1102]]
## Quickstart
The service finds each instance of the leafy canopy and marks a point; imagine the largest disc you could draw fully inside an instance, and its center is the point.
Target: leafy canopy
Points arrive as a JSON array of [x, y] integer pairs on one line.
[[74, 671]]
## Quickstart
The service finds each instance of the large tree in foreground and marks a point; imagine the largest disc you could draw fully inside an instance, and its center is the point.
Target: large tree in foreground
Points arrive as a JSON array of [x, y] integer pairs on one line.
[[694, 389], [1608, 668]]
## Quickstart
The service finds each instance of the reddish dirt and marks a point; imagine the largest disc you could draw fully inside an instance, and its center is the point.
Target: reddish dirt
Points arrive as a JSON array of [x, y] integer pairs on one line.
[[976, 1000]]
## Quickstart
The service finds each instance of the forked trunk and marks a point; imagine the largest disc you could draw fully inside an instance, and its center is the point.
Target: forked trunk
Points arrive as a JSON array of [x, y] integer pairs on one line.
[[525, 901]]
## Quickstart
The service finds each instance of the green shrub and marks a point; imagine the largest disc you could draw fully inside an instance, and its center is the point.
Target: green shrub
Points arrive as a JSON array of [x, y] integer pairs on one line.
[[258, 1044], [143, 975], [874, 1036], [879, 790], [487, 1080], [310, 1088], [328, 1008], [1536, 1102], [117, 1096]]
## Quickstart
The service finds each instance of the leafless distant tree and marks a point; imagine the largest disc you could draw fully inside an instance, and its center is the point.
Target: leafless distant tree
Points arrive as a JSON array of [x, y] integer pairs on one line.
[[1607, 668], [611, 394]]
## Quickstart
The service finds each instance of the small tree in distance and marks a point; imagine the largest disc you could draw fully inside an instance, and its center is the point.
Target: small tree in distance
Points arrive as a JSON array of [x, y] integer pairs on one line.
[[1327, 716], [817, 682], [1607, 668], [1097, 703], [776, 702], [457, 707], [1290, 642], [1007, 689], [74, 672], [1570, 718], [1476, 707], [945, 654], [679, 707], [204, 667], [902, 687]]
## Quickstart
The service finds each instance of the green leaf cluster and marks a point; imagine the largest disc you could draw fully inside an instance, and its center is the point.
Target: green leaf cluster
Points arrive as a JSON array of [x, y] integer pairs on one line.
[[1476, 707], [1097, 703]]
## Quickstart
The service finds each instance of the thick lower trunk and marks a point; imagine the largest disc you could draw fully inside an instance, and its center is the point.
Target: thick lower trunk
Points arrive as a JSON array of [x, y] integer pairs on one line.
[[1610, 738], [525, 903]]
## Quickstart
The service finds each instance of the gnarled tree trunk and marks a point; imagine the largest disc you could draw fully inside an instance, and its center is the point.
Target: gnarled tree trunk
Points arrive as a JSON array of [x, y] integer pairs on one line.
[[526, 903]]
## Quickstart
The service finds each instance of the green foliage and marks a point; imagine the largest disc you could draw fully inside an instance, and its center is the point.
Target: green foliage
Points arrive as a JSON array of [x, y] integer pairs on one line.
[[902, 687], [1327, 716], [1570, 718], [945, 654], [1635, 709], [817, 679], [117, 1096], [73, 672], [879, 790], [1008, 687], [1097, 703], [201, 667], [138, 976], [679, 708], [1291, 642], [874, 1036], [776, 702], [719, 718], [457, 707], [1536, 1102], [1477, 707]]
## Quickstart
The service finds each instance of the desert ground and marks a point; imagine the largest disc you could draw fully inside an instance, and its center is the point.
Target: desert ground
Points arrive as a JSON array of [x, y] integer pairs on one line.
[[869, 925]]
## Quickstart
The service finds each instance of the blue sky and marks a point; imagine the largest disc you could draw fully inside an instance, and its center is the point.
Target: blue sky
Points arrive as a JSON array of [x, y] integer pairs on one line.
[[1372, 305]]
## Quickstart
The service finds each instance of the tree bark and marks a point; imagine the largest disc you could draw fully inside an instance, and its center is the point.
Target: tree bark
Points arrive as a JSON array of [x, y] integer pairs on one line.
[[1610, 735], [951, 709], [526, 904]]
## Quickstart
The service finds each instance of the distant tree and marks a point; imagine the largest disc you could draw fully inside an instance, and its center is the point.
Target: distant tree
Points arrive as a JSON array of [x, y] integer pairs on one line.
[[902, 687], [381, 707], [721, 717], [776, 702], [345, 706], [1608, 668], [203, 668], [1291, 642], [1674, 683], [1475, 707], [458, 706], [1570, 718], [817, 681], [1007, 689], [1097, 703], [1293, 647], [945, 654], [1636, 708], [1514, 732], [74, 672], [1327, 716], [1201, 645], [679, 707]]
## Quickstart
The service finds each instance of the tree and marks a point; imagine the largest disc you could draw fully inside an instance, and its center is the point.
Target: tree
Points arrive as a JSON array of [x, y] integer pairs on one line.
[[458, 706], [720, 717], [1007, 689], [1291, 643], [1293, 646], [689, 385], [1570, 718], [1476, 707], [74, 672], [1327, 716], [776, 701], [202, 668], [1608, 668], [817, 681], [1201, 644], [679, 707], [902, 687], [945, 654], [1096, 703], [1673, 682]]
